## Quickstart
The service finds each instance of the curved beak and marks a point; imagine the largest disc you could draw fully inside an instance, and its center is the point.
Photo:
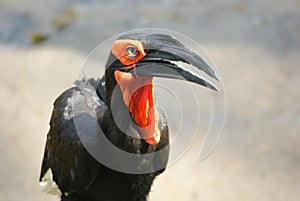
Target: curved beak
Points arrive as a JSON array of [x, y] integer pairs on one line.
[[162, 53]]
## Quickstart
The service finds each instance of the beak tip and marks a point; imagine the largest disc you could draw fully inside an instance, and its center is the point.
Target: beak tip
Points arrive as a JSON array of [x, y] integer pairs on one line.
[[216, 77], [214, 88]]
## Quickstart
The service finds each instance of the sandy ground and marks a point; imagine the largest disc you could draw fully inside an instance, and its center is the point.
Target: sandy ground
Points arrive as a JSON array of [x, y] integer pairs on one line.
[[256, 46]]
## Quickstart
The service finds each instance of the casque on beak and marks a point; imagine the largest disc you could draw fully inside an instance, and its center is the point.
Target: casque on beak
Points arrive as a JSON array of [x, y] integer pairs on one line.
[[162, 53]]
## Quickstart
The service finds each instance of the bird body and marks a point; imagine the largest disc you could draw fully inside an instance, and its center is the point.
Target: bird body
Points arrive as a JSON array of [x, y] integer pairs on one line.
[[78, 175], [122, 106]]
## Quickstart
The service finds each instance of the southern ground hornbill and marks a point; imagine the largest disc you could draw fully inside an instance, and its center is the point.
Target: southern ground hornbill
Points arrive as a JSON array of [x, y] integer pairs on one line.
[[126, 90]]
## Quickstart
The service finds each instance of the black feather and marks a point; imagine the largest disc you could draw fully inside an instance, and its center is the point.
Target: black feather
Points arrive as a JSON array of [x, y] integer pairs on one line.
[[78, 175]]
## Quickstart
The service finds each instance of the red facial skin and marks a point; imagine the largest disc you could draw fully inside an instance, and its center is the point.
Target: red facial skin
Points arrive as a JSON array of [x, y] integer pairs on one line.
[[137, 91]]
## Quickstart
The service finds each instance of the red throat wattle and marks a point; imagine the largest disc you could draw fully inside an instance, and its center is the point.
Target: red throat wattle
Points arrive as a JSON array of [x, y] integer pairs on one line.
[[138, 96]]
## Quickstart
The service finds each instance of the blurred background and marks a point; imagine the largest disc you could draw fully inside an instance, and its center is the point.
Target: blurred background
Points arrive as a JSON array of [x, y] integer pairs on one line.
[[255, 44]]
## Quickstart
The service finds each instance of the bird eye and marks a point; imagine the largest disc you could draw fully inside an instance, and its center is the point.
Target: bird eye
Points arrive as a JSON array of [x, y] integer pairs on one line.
[[131, 51]]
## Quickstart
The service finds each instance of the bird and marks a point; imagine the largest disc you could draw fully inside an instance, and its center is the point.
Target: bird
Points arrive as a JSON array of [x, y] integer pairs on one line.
[[120, 106]]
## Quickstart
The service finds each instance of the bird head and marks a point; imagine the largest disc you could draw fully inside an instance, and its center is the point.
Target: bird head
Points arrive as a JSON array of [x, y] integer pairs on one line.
[[134, 61]]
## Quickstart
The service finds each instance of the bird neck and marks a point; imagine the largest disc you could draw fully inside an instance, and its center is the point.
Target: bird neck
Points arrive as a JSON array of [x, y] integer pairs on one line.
[[137, 95]]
